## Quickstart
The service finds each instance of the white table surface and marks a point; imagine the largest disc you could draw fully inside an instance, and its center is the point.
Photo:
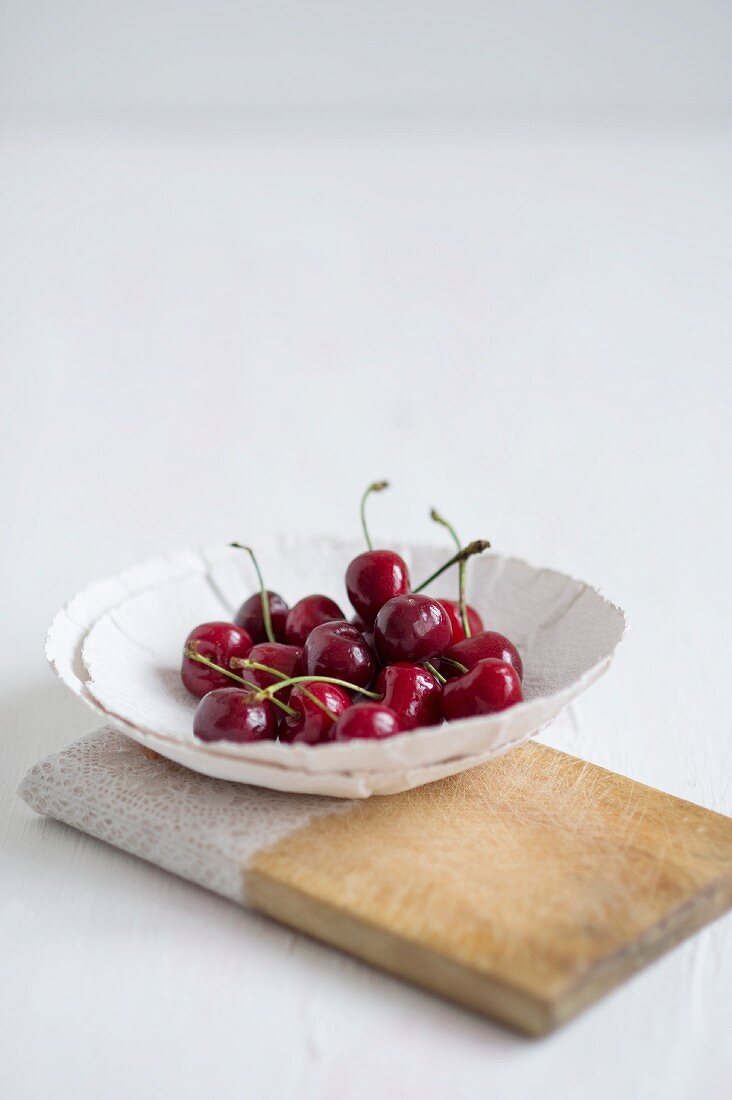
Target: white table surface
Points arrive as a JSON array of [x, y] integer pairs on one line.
[[219, 334]]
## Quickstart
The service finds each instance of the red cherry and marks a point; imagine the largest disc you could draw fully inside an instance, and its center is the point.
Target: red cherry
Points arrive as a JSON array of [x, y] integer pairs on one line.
[[311, 726], [230, 714], [287, 659], [367, 631], [452, 607], [489, 687], [366, 720], [411, 628], [338, 649], [373, 578], [412, 693], [219, 642], [250, 617], [488, 644], [308, 613]]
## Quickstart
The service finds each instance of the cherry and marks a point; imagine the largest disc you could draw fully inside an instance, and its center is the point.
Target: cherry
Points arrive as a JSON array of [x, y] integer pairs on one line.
[[230, 714], [286, 659], [471, 650], [375, 576], [412, 693], [411, 628], [311, 725], [218, 642], [452, 607], [264, 614], [464, 620], [488, 687], [250, 617], [338, 649], [366, 720], [366, 630], [308, 613]]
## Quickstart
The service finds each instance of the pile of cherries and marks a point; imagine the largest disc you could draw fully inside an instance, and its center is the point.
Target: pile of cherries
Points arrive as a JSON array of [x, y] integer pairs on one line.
[[306, 674]]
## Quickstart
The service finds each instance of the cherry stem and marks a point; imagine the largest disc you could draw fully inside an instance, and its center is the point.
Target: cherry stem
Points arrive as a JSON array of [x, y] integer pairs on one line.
[[244, 662], [435, 515], [266, 613], [455, 664], [321, 680], [472, 548], [375, 487], [437, 675], [194, 655]]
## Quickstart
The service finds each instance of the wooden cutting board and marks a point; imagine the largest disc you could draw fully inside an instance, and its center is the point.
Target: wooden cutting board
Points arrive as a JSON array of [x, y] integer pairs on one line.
[[524, 889]]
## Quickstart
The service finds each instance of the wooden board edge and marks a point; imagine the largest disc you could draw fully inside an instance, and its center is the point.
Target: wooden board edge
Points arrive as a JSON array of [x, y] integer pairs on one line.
[[518, 1009], [711, 903], [396, 955]]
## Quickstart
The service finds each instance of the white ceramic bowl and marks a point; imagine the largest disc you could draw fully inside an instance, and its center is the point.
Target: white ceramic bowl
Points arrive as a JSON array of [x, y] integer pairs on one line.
[[118, 646]]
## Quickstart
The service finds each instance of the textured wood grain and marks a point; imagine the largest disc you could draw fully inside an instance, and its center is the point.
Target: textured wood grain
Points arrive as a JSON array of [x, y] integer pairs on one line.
[[524, 889]]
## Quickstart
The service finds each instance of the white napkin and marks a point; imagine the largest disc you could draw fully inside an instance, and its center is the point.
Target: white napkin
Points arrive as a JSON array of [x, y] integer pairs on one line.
[[200, 828]]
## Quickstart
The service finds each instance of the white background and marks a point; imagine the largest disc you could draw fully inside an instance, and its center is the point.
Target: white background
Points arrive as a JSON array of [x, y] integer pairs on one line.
[[254, 256]]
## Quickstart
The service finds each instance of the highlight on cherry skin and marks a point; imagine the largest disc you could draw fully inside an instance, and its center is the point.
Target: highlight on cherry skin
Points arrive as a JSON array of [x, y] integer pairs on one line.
[[304, 675]]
